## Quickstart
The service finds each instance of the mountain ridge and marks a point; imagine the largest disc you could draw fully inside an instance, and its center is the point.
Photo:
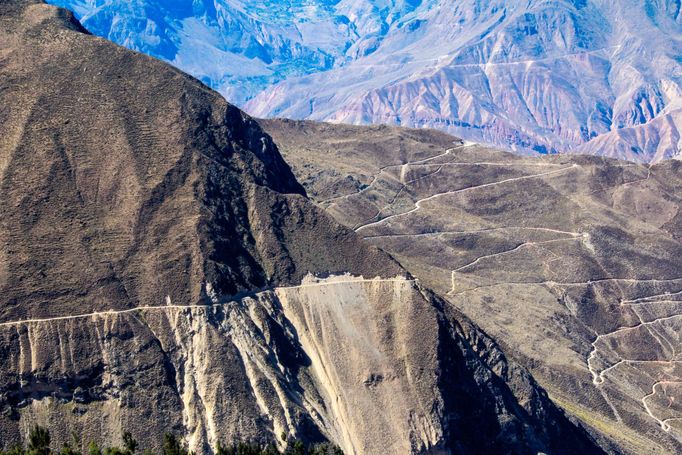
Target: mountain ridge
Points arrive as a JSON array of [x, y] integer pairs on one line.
[[547, 77]]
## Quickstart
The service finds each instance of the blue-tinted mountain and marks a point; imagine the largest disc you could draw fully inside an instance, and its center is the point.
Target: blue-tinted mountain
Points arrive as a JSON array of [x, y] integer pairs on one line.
[[585, 76]]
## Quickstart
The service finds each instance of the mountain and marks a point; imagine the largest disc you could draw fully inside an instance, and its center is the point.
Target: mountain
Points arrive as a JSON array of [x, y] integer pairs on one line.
[[236, 47], [580, 76], [162, 270], [571, 263]]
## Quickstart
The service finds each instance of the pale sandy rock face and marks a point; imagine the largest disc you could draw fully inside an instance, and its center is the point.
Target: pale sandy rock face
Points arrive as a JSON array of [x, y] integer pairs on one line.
[[373, 365], [354, 332], [354, 358]]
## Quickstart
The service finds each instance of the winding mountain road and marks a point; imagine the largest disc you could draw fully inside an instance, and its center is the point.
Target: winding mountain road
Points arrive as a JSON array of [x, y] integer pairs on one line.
[[419, 203]]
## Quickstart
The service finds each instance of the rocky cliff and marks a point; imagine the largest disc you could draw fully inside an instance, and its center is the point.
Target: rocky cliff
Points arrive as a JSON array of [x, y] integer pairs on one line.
[[162, 270]]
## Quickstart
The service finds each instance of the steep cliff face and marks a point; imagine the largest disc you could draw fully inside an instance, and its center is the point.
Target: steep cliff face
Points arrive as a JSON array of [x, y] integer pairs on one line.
[[333, 359], [374, 365], [162, 270]]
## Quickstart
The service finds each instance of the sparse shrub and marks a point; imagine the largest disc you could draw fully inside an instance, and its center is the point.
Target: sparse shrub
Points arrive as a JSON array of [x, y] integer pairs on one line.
[[295, 448], [39, 441], [114, 451], [93, 449], [16, 450], [172, 446], [39, 444], [129, 443]]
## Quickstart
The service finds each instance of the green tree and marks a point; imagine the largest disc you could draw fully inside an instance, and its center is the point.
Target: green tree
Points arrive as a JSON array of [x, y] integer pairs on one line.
[[39, 441], [172, 446], [114, 451], [93, 449], [68, 450], [129, 443], [270, 449], [325, 449], [39, 444], [295, 448], [16, 450]]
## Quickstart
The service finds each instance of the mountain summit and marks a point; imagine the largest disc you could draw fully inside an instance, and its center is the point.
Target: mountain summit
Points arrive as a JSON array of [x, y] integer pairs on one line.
[[584, 76]]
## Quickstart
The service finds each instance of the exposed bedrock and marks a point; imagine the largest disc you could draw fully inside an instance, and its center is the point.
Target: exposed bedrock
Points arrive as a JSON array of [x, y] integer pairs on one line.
[[374, 365]]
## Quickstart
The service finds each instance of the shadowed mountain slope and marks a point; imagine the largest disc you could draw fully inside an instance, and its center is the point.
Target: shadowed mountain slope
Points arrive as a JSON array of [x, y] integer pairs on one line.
[[162, 270], [164, 185]]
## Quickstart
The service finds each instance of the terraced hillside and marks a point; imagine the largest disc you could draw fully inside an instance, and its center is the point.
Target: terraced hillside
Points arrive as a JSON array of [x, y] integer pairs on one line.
[[573, 263]]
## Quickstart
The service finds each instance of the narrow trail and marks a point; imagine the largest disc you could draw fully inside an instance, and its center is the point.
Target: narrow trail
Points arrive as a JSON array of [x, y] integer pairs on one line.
[[633, 182], [518, 247], [403, 171], [594, 357], [488, 163], [227, 302], [477, 231], [404, 166], [659, 337], [665, 426], [404, 186], [419, 203], [375, 177], [565, 283], [426, 160], [336, 198], [444, 58], [648, 176], [648, 299], [598, 377], [453, 280], [397, 195]]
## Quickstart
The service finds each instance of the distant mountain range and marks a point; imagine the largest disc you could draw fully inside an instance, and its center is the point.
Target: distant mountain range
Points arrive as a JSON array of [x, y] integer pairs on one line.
[[580, 76]]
